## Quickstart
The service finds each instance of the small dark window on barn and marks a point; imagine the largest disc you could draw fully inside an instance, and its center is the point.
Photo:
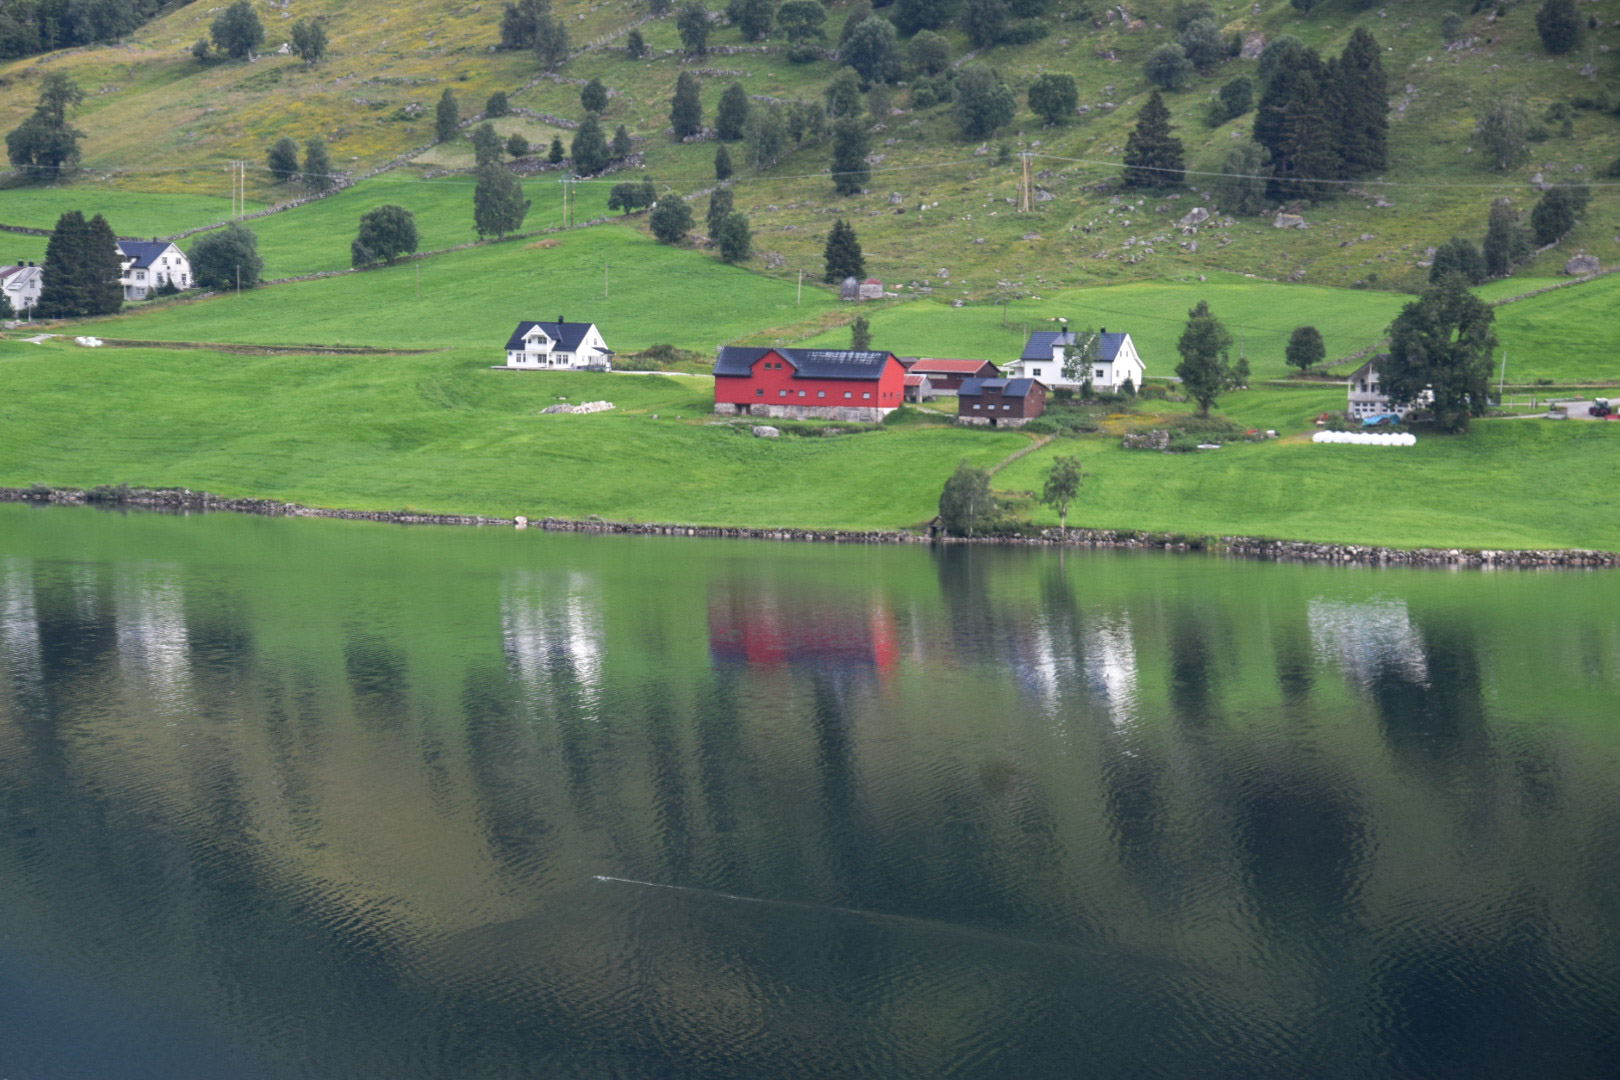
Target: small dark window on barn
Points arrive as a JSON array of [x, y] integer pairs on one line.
[[759, 393]]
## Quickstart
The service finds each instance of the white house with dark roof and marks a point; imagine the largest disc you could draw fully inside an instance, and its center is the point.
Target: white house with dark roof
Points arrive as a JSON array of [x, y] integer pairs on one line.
[[1367, 397], [1048, 352], [21, 285], [557, 346], [148, 264]]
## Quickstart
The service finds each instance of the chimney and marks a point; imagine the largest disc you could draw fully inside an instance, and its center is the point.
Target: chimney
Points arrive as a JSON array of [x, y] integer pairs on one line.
[[1102, 329], [560, 320]]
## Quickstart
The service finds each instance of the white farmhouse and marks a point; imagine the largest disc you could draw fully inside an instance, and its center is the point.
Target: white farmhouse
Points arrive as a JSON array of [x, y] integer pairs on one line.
[[21, 285], [1367, 397], [148, 264], [1048, 353], [560, 345]]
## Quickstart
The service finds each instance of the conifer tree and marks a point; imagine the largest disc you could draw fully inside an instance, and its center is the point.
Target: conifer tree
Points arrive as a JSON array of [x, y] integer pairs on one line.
[[722, 164], [1505, 241], [623, 146], [64, 292], [860, 334], [842, 254], [317, 172], [590, 148], [736, 240], [721, 203], [1362, 98], [732, 114], [594, 97], [1153, 156], [849, 168], [693, 25], [486, 144], [1559, 25], [555, 155], [1308, 151], [686, 107], [1554, 215], [635, 45], [550, 41], [446, 116]]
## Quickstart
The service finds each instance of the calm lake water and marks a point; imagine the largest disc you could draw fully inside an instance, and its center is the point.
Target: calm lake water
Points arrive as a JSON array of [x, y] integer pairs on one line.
[[326, 799]]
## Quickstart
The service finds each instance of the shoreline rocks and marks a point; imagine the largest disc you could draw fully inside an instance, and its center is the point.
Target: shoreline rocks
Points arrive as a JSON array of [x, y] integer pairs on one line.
[[184, 500]]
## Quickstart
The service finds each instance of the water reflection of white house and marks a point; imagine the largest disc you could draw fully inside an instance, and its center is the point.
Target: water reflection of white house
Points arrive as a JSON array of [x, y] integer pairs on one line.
[[1367, 637], [551, 622], [149, 611], [1046, 666], [20, 661]]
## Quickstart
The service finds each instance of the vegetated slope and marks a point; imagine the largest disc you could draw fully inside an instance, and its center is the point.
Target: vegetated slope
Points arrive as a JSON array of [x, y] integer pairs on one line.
[[153, 107]]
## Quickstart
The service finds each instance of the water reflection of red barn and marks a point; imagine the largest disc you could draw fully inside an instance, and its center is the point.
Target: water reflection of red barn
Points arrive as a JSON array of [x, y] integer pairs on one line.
[[767, 630]]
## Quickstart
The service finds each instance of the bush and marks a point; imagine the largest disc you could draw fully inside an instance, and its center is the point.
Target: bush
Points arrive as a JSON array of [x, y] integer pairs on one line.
[[1154, 391], [1024, 32], [1168, 68]]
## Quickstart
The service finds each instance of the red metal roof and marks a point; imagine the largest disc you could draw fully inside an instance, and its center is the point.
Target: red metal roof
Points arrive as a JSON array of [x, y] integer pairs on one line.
[[949, 367], [916, 380]]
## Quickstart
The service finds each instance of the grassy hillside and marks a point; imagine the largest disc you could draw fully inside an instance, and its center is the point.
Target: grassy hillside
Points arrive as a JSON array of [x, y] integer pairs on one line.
[[157, 121]]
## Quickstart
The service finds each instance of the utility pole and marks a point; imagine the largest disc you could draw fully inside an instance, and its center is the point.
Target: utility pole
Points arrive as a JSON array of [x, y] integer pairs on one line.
[[1501, 386], [604, 281], [1025, 183], [238, 279], [799, 300]]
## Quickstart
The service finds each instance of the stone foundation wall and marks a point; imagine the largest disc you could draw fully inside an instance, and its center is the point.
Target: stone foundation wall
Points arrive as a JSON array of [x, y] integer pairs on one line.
[[847, 413], [1001, 421]]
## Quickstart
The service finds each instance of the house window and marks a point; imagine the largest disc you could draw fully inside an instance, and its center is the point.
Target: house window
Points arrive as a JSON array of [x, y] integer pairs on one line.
[[975, 404], [1004, 408], [1101, 374], [140, 275]]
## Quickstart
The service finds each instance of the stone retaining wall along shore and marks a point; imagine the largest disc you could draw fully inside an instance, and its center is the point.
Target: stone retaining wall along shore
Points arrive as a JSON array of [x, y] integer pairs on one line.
[[186, 501]]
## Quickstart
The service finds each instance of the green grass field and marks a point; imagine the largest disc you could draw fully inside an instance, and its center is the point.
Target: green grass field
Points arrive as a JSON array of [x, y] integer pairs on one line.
[[130, 213], [1564, 336], [475, 297], [444, 433]]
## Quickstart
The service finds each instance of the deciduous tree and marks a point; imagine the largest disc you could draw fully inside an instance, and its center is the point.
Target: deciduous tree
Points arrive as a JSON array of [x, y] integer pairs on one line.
[[1204, 348], [1168, 68], [282, 160], [873, 50], [237, 31], [721, 203], [498, 203], [1442, 342], [1053, 97], [223, 257], [722, 163], [1559, 25], [46, 144], [693, 25], [486, 144], [594, 97], [983, 103], [1555, 214], [1458, 256], [966, 506], [1062, 486], [309, 41], [497, 106], [671, 220], [1505, 240], [802, 22], [985, 21], [1505, 130], [1305, 348], [386, 233], [754, 18]]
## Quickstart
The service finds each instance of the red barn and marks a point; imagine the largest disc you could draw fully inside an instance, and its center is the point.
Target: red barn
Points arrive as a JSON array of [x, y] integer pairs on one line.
[[946, 375], [802, 384]]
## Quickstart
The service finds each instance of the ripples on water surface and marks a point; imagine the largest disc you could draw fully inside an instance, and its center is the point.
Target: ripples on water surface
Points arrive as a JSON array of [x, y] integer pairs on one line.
[[318, 799]]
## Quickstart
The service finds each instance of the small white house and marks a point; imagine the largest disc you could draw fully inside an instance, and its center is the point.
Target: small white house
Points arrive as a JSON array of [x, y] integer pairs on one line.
[[560, 345], [148, 264], [1049, 352], [21, 285], [1367, 397]]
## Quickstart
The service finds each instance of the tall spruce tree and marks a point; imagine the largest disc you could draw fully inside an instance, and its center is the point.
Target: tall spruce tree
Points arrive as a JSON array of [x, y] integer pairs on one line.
[[589, 149], [283, 159], [1559, 25], [722, 164], [842, 255], [1505, 240], [1362, 97], [731, 116], [850, 170], [686, 107], [446, 116], [1153, 156], [721, 203], [82, 268], [104, 266]]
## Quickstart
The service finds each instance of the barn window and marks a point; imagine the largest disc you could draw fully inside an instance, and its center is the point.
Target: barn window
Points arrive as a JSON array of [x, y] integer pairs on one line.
[[848, 394], [821, 393], [1004, 408], [801, 393], [782, 393], [975, 404], [759, 393], [868, 397]]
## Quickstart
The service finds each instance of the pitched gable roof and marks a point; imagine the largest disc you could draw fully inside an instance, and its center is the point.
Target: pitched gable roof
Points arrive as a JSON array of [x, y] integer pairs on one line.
[[949, 367], [1041, 342], [1108, 347], [1008, 387], [567, 335], [144, 252], [807, 363]]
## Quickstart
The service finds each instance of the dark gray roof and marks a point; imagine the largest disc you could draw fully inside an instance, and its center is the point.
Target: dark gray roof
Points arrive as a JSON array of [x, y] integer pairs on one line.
[[807, 363], [142, 251], [1008, 387], [567, 335], [737, 360], [1041, 342]]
